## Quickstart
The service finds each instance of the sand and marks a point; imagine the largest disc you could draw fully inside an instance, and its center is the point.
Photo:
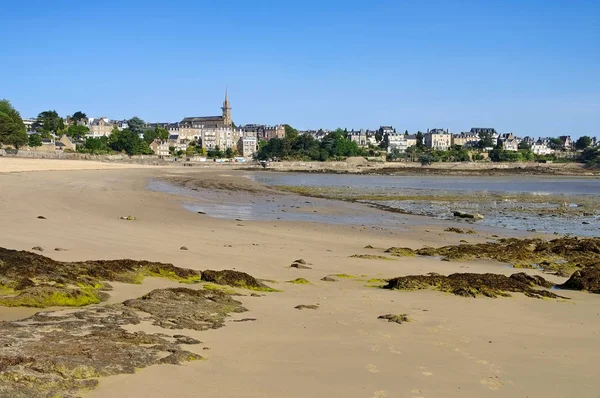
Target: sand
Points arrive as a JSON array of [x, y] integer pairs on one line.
[[505, 347]]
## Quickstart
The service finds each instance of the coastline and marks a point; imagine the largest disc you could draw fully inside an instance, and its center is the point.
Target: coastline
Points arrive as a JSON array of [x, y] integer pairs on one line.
[[454, 347]]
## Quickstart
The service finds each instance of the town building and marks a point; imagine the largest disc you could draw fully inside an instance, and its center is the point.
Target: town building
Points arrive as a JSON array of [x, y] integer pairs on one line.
[[542, 147], [247, 146], [466, 139], [508, 142], [566, 142], [100, 127], [190, 126], [360, 137], [160, 148], [401, 142], [438, 139]]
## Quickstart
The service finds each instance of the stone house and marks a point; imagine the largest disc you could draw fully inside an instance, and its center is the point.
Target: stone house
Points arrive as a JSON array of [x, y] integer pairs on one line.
[[437, 139], [160, 148]]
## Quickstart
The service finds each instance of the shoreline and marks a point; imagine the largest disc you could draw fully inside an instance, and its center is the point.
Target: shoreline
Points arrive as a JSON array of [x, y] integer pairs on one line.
[[335, 343]]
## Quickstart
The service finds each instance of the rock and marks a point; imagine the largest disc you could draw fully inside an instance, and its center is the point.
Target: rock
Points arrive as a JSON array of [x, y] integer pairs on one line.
[[329, 279], [255, 295], [245, 320], [38, 248], [233, 278], [473, 285], [460, 230], [128, 218], [397, 318], [41, 217], [201, 212], [183, 248], [472, 216], [401, 251], [300, 261], [369, 247], [299, 266], [587, 279], [60, 249], [307, 307], [181, 339], [585, 223]]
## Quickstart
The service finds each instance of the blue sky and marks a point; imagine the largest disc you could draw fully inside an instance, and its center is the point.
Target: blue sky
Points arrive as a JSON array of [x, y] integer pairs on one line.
[[529, 66]]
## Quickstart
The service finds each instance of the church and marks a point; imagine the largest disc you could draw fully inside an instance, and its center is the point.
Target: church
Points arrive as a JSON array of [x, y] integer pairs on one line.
[[210, 122]]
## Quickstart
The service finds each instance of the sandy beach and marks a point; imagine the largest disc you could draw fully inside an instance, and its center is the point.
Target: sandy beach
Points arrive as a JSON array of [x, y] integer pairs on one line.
[[453, 347]]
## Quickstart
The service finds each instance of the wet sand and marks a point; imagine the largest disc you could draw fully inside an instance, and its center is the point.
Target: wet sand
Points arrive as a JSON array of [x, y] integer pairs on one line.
[[455, 346]]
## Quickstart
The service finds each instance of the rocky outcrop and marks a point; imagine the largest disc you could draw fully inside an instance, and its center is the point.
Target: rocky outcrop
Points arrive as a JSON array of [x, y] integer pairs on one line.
[[587, 279]]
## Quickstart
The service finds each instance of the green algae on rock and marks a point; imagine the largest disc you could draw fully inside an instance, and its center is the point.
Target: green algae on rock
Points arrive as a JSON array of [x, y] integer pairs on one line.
[[299, 281], [370, 257], [235, 279], [60, 354], [32, 280], [397, 318], [587, 279], [401, 251], [473, 285], [562, 255]]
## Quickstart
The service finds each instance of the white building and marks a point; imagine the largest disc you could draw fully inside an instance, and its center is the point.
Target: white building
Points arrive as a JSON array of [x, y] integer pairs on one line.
[[438, 139], [401, 142]]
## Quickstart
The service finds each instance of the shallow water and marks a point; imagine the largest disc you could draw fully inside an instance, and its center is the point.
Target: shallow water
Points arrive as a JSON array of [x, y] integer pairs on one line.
[[522, 215]]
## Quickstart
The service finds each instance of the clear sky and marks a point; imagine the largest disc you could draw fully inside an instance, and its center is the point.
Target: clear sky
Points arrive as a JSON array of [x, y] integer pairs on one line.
[[527, 66]]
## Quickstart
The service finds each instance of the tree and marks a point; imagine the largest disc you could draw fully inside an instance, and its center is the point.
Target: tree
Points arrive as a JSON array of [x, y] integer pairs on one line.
[[48, 122], [556, 143], [35, 140], [96, 145], [486, 140], [137, 126], [129, 142], [229, 154], [419, 137], [152, 134], [583, 142], [78, 117], [77, 131], [12, 128], [524, 145], [290, 132]]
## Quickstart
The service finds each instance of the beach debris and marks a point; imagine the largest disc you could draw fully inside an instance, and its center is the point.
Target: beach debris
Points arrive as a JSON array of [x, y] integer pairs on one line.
[[471, 216], [235, 279], [370, 257], [460, 230], [245, 320], [300, 264], [473, 285], [59, 249], [329, 279], [587, 279], [128, 218], [41, 217], [201, 212], [38, 248], [397, 318], [183, 248], [45, 354], [307, 307]]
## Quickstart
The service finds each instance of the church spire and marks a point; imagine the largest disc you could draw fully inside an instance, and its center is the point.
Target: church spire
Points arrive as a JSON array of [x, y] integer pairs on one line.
[[226, 109]]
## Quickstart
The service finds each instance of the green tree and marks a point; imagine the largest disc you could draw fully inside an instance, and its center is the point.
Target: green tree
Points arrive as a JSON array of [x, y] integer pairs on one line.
[[420, 144], [229, 154], [290, 132], [583, 142], [12, 128], [78, 117], [556, 143], [524, 145], [96, 145], [77, 131], [129, 142], [48, 122], [152, 134], [136, 125], [486, 139], [35, 140]]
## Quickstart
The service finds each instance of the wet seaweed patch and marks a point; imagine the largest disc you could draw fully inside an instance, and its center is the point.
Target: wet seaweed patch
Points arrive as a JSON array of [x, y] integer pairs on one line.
[[299, 281], [32, 280], [235, 279], [397, 318], [562, 256], [460, 230], [473, 285], [401, 251], [60, 354], [586, 279]]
